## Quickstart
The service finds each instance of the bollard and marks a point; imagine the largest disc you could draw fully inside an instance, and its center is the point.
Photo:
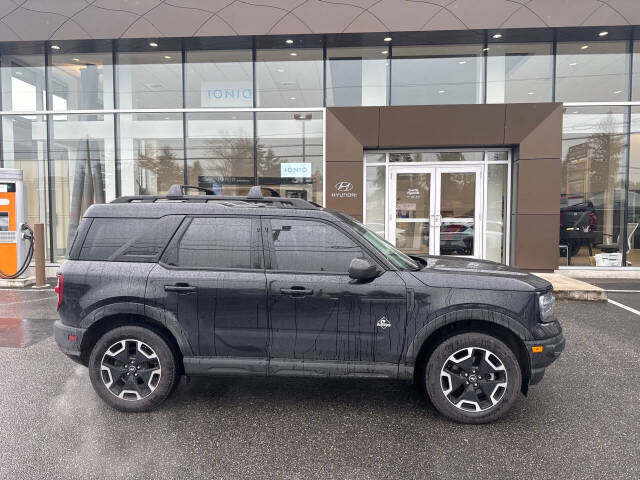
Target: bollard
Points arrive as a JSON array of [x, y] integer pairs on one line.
[[38, 254]]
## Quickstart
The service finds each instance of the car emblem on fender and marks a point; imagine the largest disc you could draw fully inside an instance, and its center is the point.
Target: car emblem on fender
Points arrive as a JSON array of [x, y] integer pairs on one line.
[[383, 323], [344, 186]]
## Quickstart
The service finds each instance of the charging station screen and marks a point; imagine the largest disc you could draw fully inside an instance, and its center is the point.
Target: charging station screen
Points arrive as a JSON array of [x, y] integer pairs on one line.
[[4, 222]]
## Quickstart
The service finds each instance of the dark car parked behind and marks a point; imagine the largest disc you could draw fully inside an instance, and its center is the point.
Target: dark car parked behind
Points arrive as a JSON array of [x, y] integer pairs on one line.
[[158, 287]]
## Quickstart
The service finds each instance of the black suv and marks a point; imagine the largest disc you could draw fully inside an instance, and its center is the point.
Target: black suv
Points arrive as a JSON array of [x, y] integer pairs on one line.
[[158, 287]]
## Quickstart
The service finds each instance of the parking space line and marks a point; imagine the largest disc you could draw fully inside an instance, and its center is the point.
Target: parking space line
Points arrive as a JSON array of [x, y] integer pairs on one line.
[[618, 304], [623, 291]]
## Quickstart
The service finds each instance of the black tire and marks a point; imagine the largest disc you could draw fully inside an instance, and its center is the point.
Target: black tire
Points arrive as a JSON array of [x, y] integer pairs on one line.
[[157, 363], [443, 373]]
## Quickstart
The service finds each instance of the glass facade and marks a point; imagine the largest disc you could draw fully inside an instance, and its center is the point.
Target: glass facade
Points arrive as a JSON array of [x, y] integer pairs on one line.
[[88, 121]]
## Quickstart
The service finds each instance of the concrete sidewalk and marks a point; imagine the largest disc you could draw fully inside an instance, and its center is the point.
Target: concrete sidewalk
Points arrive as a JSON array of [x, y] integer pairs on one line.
[[568, 288]]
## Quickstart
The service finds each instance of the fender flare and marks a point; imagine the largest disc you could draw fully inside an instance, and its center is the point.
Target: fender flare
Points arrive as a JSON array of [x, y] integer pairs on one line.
[[153, 316], [453, 316]]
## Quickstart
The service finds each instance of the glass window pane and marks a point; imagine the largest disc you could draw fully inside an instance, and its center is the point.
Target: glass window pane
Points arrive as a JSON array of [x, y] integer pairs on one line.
[[598, 72], [216, 243], [83, 168], [150, 80], [24, 146], [219, 78], [519, 72], [436, 157], [440, 74], [375, 157], [357, 76], [151, 153], [289, 146], [220, 151], [496, 212], [81, 81], [289, 77], [302, 245], [633, 215], [376, 194], [592, 193], [107, 235], [23, 86]]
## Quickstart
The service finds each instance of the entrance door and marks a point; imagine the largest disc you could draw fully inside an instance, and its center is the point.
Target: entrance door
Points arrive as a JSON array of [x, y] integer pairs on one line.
[[436, 210]]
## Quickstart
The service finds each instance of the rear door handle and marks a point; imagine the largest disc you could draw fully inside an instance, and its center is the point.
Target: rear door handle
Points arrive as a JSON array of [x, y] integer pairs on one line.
[[296, 291], [180, 288]]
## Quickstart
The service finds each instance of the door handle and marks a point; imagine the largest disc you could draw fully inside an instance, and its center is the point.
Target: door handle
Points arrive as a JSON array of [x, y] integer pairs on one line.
[[296, 291], [180, 288]]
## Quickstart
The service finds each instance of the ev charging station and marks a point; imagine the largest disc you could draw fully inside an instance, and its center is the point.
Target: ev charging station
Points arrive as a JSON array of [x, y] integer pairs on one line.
[[16, 243]]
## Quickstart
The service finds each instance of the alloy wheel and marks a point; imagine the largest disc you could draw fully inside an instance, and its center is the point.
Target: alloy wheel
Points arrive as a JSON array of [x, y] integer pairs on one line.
[[130, 369], [473, 379]]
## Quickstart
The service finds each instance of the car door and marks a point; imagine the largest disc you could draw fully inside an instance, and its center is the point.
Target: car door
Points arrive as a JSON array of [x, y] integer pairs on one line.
[[316, 311], [213, 278]]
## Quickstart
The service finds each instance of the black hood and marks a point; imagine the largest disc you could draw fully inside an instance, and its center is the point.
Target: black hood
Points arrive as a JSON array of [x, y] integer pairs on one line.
[[472, 273]]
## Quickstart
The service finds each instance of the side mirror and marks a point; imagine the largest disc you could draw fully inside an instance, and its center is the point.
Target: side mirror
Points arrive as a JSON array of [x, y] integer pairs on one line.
[[361, 269]]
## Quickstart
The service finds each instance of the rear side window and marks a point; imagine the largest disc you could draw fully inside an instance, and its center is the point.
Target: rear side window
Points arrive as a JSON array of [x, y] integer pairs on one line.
[[215, 242], [307, 245], [107, 236]]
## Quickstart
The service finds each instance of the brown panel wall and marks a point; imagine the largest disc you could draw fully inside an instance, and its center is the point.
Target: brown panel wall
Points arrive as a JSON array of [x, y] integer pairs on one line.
[[534, 131]]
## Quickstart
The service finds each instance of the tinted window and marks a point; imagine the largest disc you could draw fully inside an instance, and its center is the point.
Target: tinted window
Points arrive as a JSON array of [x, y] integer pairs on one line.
[[107, 235], [216, 243], [311, 246]]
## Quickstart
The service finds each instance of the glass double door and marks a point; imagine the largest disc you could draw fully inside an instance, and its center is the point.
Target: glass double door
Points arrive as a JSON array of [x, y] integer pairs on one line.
[[436, 210]]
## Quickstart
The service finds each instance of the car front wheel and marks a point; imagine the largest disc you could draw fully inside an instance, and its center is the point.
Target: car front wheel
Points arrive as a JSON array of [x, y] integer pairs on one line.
[[473, 378], [132, 369]]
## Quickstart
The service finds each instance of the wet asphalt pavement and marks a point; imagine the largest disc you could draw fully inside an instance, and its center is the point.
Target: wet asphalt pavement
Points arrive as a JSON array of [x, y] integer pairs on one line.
[[582, 421]]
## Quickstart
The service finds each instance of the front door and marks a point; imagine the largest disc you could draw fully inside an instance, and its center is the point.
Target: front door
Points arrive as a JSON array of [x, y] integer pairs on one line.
[[436, 210]]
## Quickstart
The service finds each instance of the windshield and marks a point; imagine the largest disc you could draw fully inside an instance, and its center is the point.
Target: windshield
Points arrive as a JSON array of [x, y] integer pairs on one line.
[[400, 260]]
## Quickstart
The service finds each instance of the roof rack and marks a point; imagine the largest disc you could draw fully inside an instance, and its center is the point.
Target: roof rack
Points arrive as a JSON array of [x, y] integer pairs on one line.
[[177, 193]]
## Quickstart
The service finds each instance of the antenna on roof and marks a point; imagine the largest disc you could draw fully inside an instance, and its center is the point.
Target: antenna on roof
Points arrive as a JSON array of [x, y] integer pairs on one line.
[[255, 192]]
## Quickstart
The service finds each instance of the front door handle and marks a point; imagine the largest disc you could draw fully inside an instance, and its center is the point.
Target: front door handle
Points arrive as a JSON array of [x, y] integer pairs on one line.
[[296, 291], [180, 288]]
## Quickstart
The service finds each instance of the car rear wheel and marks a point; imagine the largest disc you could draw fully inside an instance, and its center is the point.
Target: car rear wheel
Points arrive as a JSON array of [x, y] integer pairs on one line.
[[132, 369], [473, 378]]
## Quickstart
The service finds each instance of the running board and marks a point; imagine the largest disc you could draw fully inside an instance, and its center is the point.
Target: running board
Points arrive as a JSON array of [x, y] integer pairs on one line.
[[211, 366]]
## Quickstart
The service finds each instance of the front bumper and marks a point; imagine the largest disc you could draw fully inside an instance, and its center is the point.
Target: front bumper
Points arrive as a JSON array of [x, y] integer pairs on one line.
[[551, 350], [62, 332]]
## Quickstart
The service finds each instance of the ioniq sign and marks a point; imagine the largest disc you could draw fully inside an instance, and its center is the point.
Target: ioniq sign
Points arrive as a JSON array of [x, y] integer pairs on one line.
[[344, 189]]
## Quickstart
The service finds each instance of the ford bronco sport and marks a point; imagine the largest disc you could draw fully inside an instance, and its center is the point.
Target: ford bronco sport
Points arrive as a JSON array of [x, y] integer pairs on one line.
[[159, 287]]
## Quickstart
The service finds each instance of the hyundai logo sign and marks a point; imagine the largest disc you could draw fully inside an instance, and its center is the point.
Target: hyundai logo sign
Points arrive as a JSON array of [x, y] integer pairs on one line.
[[344, 190], [344, 186]]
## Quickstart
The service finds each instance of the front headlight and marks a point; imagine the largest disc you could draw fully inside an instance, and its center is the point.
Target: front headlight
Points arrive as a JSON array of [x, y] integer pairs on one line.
[[545, 303]]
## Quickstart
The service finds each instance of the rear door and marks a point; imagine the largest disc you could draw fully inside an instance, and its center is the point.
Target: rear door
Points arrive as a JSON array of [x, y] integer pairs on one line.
[[212, 278], [316, 311]]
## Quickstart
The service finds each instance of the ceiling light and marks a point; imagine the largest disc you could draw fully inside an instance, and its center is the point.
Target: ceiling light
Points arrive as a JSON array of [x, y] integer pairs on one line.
[[168, 57], [387, 39], [19, 73], [288, 41], [603, 33], [442, 91], [292, 98], [575, 111], [293, 54], [153, 44], [617, 92], [76, 59], [234, 118], [462, 62], [573, 64], [584, 47], [486, 49], [384, 52], [497, 35], [280, 70], [531, 93], [55, 47]]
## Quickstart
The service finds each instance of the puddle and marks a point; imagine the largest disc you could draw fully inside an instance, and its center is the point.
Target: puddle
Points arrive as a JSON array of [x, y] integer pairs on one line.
[[23, 332]]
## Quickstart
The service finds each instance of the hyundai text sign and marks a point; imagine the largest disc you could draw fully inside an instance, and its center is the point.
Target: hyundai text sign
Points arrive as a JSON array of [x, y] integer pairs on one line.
[[343, 189], [226, 94], [295, 170]]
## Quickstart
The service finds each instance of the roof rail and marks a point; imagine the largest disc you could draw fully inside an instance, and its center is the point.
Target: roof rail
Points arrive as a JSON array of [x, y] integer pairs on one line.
[[177, 193]]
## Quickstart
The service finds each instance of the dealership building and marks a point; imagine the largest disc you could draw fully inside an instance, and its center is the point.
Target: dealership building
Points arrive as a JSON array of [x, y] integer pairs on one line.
[[499, 130]]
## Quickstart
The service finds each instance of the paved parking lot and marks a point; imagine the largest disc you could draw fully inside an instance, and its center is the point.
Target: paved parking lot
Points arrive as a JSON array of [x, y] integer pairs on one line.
[[581, 422]]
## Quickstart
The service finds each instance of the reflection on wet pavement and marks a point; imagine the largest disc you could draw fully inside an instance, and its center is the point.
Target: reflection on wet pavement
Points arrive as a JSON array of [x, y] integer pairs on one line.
[[26, 317]]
